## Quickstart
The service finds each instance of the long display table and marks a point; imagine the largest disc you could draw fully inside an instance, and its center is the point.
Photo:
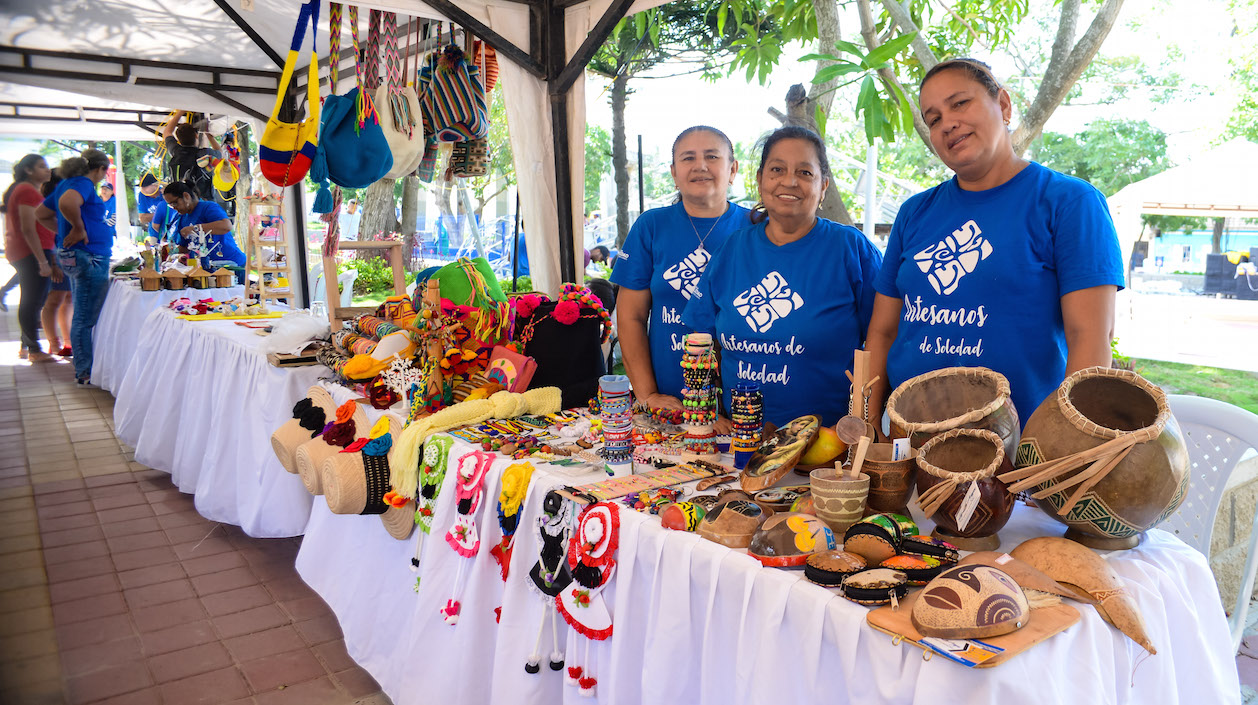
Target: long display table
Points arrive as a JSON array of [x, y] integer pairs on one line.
[[117, 333], [200, 401], [696, 622]]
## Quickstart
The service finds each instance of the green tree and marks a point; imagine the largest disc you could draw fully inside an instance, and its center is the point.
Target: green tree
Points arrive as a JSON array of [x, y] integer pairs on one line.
[[681, 33], [598, 161], [1243, 122], [1109, 154]]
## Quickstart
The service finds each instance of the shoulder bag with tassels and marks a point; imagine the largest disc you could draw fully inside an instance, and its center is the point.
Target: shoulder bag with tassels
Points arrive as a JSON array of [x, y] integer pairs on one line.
[[353, 152], [287, 149], [398, 105], [451, 90]]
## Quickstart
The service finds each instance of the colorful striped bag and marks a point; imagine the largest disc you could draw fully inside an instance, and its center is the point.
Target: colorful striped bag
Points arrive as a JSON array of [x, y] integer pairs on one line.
[[452, 97]]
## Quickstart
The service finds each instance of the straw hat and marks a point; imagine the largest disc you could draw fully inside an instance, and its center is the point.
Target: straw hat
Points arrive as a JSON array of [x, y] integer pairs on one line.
[[310, 455], [400, 521], [346, 476], [292, 434]]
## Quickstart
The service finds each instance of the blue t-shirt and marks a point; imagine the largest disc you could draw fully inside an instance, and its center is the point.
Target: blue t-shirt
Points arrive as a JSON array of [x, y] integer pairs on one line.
[[789, 316], [213, 249], [148, 204], [100, 236], [981, 275], [111, 211], [164, 219], [663, 254]]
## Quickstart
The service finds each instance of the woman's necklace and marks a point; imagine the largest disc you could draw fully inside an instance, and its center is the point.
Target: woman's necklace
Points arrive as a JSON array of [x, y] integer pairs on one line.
[[703, 238]]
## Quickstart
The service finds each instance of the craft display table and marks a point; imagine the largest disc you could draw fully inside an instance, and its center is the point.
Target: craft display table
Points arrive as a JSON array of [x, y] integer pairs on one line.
[[696, 622], [118, 331], [199, 400]]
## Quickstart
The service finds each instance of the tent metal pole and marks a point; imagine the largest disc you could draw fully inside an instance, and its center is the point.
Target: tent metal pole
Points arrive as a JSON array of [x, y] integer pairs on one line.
[[250, 32], [554, 32], [515, 244], [299, 223]]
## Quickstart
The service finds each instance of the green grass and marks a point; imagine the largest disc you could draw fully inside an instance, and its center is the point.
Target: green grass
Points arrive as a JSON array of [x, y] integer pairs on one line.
[[1232, 386], [372, 298]]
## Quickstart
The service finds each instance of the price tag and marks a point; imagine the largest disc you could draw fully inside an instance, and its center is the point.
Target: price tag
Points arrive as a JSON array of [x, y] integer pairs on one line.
[[900, 449], [968, 505]]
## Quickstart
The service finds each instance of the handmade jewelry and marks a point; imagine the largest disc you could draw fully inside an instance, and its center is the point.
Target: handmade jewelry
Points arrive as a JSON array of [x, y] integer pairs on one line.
[[747, 415], [700, 394], [616, 405]]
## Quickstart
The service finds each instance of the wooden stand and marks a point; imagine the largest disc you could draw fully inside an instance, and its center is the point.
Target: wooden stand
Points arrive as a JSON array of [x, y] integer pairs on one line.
[[255, 262], [336, 313]]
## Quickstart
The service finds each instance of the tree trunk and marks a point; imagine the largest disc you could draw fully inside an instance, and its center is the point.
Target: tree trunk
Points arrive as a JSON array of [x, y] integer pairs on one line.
[[379, 211], [1216, 239], [1068, 61], [887, 75], [620, 157], [410, 216], [799, 112]]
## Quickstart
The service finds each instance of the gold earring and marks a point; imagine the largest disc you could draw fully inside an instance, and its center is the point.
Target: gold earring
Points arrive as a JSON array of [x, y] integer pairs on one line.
[[1006, 122]]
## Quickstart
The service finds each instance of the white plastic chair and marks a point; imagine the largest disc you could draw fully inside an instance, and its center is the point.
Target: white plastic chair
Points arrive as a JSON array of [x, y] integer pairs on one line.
[[344, 279], [1217, 434]]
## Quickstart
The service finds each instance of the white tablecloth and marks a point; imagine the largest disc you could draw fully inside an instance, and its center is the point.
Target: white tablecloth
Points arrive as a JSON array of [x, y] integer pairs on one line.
[[118, 330], [200, 402], [696, 622]]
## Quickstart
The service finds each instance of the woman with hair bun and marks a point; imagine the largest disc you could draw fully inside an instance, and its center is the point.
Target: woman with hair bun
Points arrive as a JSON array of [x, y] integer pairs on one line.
[[28, 246], [203, 228], [85, 242]]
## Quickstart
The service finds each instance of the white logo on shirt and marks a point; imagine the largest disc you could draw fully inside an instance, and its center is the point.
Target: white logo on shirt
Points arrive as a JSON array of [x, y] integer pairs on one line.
[[945, 262], [767, 302], [684, 276]]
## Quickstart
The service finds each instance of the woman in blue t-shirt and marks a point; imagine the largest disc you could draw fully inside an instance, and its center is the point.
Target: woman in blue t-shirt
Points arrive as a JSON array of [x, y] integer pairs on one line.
[[203, 228], [789, 298], [666, 251], [1008, 265], [84, 244]]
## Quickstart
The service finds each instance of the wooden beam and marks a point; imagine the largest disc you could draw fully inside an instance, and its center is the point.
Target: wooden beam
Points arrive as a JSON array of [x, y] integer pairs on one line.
[[615, 12], [554, 50], [250, 32], [500, 44]]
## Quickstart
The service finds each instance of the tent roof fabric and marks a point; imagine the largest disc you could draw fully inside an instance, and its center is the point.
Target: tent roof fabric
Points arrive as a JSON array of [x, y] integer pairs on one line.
[[1218, 183]]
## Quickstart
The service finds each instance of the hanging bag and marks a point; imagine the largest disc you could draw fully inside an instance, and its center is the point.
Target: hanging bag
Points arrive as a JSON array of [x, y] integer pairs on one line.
[[352, 147], [287, 149], [399, 106], [451, 92]]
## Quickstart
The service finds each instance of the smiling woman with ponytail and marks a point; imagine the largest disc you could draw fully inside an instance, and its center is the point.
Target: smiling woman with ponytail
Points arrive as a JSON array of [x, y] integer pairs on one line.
[[85, 242]]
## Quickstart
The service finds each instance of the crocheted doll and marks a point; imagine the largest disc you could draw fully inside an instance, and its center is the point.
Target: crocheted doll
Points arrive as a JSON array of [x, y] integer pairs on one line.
[[432, 472], [592, 561], [550, 575], [464, 535]]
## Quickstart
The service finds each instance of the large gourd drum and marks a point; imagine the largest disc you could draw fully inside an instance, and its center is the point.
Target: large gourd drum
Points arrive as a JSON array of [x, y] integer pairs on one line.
[[955, 397], [1104, 456]]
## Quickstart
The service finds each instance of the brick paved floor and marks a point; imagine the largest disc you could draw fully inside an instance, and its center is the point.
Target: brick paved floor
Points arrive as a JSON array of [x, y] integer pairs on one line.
[[114, 590]]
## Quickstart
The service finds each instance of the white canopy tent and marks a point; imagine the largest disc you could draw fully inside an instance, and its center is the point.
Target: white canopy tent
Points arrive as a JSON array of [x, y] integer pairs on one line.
[[1219, 183], [216, 56]]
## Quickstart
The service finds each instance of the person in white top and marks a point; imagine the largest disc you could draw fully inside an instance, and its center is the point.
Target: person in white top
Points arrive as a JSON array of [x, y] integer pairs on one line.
[[349, 220]]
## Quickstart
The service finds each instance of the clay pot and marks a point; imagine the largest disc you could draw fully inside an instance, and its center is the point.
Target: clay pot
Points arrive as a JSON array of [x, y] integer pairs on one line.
[[838, 500], [1100, 417], [954, 397], [957, 460], [890, 481]]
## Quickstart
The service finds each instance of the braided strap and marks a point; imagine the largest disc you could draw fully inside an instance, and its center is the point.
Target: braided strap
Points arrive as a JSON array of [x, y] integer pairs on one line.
[[392, 62], [373, 50], [364, 106], [334, 44]]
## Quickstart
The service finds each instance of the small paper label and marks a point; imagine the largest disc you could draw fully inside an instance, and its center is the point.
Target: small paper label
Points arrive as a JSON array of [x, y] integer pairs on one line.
[[900, 449], [1003, 559], [968, 505], [969, 652]]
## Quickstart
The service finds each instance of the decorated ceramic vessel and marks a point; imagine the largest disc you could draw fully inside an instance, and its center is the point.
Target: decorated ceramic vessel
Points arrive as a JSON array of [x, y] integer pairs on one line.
[[955, 397], [1117, 426], [970, 602], [890, 481], [786, 540], [959, 469], [838, 499]]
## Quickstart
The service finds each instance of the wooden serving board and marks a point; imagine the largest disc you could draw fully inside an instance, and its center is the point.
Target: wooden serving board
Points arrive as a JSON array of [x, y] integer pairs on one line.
[[1045, 622]]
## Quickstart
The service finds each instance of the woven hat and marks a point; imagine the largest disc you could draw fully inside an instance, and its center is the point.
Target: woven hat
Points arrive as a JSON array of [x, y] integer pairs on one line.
[[309, 456], [310, 415], [356, 479], [399, 521]]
